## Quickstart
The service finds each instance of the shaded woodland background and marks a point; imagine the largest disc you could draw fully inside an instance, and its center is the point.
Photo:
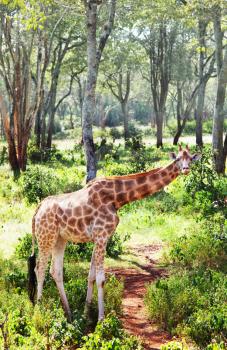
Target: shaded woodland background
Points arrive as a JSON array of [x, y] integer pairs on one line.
[[72, 65]]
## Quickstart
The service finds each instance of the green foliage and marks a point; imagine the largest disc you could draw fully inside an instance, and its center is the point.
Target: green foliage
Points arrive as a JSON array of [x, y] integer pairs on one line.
[[192, 301], [174, 345], [113, 295], [216, 346], [207, 190], [205, 325], [79, 251], [182, 301], [115, 245], [24, 247], [138, 153], [170, 301], [38, 182], [207, 249], [116, 134], [34, 327], [109, 335], [75, 252], [3, 155]]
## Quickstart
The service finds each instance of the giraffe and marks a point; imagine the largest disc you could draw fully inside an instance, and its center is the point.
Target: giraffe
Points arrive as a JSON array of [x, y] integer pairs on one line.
[[90, 214]]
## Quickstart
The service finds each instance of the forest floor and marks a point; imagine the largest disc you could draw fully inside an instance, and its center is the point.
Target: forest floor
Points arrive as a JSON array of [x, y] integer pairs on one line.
[[135, 317]]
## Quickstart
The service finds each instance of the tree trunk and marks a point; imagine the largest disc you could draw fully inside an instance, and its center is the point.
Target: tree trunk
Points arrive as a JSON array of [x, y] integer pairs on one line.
[[180, 129], [159, 123], [38, 129], [93, 59], [124, 109], [202, 87], [89, 98], [199, 114], [225, 150], [218, 120]]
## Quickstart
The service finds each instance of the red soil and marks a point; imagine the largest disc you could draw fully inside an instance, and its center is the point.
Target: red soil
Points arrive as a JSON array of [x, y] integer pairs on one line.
[[135, 318]]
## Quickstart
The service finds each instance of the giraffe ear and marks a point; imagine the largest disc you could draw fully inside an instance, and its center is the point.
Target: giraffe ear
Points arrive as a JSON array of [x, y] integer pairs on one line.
[[172, 155], [195, 157]]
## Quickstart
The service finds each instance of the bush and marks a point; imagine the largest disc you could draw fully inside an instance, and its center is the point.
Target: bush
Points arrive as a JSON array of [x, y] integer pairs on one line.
[[170, 301], [115, 134], [175, 345], [115, 245], [207, 190], [3, 155], [39, 182], [111, 167], [175, 302], [76, 252], [208, 249], [113, 295], [139, 156], [203, 326], [110, 335]]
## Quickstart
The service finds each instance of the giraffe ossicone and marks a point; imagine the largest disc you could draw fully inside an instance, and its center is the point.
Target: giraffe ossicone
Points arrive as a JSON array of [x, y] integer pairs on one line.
[[90, 214]]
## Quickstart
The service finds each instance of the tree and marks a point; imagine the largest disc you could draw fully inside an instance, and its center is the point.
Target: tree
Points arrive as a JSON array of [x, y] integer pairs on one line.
[[94, 54], [202, 25], [119, 63], [220, 148], [18, 47]]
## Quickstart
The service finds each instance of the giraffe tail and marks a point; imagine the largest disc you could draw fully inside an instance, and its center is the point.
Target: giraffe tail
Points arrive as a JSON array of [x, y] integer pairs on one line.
[[32, 282]]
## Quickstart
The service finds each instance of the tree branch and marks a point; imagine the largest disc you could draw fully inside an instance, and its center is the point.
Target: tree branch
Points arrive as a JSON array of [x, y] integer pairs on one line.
[[107, 28]]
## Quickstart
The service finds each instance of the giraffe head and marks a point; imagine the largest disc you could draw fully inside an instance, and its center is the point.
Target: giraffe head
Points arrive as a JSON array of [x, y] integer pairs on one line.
[[184, 159]]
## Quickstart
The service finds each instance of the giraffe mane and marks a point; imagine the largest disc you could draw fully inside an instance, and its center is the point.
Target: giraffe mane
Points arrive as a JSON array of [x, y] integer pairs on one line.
[[132, 176]]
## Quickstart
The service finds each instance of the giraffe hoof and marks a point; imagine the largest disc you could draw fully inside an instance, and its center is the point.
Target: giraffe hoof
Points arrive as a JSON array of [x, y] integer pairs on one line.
[[101, 318]]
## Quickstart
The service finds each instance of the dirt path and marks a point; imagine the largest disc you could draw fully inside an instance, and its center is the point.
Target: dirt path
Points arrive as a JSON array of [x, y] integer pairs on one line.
[[135, 319]]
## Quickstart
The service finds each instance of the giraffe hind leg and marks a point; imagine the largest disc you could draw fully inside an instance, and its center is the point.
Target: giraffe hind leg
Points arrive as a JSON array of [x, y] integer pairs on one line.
[[46, 241], [56, 272], [40, 270]]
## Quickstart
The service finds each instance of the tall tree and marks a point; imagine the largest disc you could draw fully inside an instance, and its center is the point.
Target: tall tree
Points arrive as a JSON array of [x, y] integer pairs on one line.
[[202, 25], [219, 146], [94, 54], [117, 67], [19, 47]]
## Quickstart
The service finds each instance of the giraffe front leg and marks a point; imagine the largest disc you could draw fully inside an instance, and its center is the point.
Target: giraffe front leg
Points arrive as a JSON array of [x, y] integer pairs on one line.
[[56, 271], [100, 251], [91, 281]]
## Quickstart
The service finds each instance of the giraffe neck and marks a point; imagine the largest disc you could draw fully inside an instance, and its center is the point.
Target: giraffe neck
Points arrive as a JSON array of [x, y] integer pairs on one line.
[[135, 187]]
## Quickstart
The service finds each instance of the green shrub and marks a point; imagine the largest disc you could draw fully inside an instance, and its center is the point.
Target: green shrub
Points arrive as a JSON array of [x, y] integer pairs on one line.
[[205, 325], [115, 245], [216, 346], [3, 155], [76, 252], [175, 345], [115, 134], [139, 155], [170, 301], [113, 295], [24, 247], [110, 167], [173, 301], [207, 190], [206, 249], [39, 182], [79, 251], [110, 335], [37, 155]]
